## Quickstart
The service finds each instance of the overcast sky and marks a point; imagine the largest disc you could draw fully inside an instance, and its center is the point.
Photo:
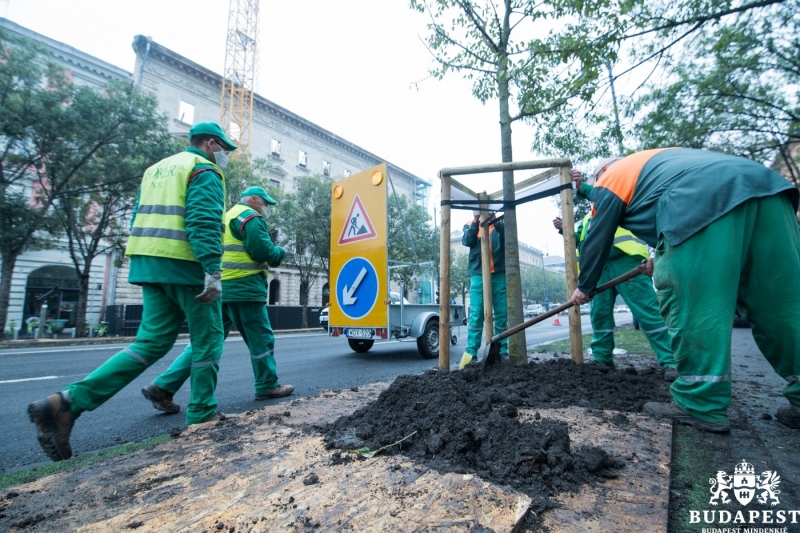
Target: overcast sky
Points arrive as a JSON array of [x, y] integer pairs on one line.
[[357, 68]]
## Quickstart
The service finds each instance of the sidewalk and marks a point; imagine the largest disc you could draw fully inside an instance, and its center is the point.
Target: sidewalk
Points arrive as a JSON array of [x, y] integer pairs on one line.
[[756, 438], [7, 344]]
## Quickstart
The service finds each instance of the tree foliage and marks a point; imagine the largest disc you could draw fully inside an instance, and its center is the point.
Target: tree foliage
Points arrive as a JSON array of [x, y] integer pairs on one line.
[[303, 218], [59, 145], [459, 275], [411, 239], [242, 173], [93, 212]]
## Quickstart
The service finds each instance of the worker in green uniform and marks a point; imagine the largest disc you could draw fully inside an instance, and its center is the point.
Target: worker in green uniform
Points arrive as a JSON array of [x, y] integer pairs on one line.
[[175, 247], [248, 254], [627, 252], [472, 238], [726, 238]]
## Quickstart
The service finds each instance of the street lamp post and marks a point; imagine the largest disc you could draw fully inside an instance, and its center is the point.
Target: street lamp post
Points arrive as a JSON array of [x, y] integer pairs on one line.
[[544, 281]]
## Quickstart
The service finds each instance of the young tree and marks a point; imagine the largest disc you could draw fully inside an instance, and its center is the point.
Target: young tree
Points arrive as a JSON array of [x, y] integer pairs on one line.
[[474, 39], [241, 173], [93, 211], [303, 218]]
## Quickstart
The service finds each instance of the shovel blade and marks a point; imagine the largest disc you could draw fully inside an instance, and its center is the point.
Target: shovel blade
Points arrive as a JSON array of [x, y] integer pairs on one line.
[[491, 355]]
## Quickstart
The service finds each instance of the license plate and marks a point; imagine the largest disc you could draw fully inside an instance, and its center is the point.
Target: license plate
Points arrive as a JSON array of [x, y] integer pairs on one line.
[[360, 333]]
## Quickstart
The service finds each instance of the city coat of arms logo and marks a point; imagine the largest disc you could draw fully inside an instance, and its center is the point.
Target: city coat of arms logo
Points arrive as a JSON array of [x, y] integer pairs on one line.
[[745, 485]]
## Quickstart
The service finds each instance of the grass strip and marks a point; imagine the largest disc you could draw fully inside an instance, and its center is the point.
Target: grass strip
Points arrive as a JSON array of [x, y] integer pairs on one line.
[[32, 474], [625, 337]]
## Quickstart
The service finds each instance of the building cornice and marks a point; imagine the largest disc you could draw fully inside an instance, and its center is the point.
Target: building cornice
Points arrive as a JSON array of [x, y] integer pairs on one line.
[[268, 107]]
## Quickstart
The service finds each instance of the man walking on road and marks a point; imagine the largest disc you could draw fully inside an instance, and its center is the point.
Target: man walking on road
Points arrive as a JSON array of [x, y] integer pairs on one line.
[[627, 252], [497, 252], [725, 237], [176, 251], [248, 253]]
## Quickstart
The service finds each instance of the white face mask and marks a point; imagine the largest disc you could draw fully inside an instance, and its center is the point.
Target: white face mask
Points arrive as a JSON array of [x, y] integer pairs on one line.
[[221, 159], [264, 211]]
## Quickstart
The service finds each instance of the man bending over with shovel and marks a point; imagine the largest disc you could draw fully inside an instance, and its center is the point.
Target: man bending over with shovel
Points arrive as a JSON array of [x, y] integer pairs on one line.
[[725, 237]]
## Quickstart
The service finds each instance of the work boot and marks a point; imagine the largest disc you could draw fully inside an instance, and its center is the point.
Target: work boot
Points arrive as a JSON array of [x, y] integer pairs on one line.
[[682, 417], [789, 416], [465, 360], [161, 399], [670, 374], [54, 422], [277, 392]]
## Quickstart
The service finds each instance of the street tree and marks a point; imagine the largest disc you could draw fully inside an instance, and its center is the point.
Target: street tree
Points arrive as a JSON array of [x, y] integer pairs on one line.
[[93, 211], [484, 41], [243, 172], [303, 220], [411, 239], [459, 276], [736, 92]]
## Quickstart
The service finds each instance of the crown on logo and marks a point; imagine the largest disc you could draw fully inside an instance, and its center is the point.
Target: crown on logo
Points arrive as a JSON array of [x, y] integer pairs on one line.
[[744, 468]]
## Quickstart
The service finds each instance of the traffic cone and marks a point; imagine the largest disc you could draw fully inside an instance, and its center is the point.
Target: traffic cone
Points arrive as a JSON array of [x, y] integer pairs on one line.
[[556, 322]]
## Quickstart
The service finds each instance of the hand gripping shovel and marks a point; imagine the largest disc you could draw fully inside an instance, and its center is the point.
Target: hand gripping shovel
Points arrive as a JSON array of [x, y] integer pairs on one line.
[[491, 352]]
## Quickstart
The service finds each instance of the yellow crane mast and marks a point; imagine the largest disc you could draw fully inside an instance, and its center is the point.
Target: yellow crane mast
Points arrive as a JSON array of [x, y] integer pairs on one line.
[[239, 78]]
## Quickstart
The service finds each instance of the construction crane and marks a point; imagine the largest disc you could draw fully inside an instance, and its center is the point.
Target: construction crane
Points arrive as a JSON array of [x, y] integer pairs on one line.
[[239, 78]]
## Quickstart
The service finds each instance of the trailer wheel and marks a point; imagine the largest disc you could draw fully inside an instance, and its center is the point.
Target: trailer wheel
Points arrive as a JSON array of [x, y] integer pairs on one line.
[[453, 340], [428, 343], [360, 345]]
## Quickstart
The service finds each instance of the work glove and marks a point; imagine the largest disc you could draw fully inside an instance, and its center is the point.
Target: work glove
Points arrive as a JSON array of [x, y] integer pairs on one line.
[[465, 360], [212, 288]]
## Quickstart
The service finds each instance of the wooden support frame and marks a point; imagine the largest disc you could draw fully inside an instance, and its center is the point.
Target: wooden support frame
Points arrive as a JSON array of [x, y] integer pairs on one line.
[[560, 167]]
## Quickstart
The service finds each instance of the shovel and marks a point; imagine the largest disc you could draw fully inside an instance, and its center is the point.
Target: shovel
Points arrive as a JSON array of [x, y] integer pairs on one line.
[[491, 352]]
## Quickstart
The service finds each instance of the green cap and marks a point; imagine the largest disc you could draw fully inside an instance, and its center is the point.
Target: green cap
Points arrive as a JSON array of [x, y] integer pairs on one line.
[[258, 191], [211, 128]]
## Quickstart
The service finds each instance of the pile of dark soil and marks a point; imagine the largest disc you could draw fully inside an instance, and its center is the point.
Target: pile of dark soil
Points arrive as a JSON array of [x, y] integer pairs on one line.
[[468, 422]]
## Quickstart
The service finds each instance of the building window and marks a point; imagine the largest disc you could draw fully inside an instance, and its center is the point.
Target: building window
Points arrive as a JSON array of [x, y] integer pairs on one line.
[[302, 158], [326, 168], [186, 113], [275, 183], [275, 148]]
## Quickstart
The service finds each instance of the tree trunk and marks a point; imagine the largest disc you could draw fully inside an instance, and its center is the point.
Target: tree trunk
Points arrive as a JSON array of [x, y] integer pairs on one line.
[[517, 347], [83, 301], [6, 272]]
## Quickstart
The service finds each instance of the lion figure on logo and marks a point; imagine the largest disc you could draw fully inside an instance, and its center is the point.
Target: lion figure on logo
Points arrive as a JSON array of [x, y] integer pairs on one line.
[[768, 483], [719, 487]]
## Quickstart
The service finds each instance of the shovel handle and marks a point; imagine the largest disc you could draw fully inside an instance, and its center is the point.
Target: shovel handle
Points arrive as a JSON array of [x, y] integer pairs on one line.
[[563, 307]]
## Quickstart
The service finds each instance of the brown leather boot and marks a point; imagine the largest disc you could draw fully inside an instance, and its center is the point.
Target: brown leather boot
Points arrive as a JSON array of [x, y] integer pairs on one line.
[[54, 423], [161, 399]]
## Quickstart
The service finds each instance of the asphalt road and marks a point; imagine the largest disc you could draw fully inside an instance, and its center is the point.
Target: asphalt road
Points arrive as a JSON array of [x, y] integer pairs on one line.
[[309, 361]]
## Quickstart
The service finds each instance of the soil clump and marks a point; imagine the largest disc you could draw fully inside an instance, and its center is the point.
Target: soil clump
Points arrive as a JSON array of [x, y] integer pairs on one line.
[[469, 422]]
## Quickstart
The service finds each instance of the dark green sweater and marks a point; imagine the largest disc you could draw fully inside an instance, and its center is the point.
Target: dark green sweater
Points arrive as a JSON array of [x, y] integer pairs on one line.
[[675, 193]]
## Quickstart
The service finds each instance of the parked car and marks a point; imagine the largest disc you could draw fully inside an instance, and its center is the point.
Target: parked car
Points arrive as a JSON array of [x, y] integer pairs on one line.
[[621, 309], [533, 310], [586, 309], [323, 318]]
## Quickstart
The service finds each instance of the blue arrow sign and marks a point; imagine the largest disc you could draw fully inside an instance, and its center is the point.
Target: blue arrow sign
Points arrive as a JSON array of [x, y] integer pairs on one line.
[[357, 287]]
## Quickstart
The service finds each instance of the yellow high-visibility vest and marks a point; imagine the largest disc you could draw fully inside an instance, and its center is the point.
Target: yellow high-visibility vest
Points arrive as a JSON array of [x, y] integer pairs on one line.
[[236, 262], [159, 228], [624, 240]]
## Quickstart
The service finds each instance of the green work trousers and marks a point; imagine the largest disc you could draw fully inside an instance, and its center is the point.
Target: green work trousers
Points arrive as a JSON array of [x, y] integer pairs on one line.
[[640, 296], [252, 321], [750, 259], [165, 307], [499, 312]]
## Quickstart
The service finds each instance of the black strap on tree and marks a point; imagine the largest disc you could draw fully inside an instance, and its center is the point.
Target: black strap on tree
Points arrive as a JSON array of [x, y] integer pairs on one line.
[[506, 205]]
